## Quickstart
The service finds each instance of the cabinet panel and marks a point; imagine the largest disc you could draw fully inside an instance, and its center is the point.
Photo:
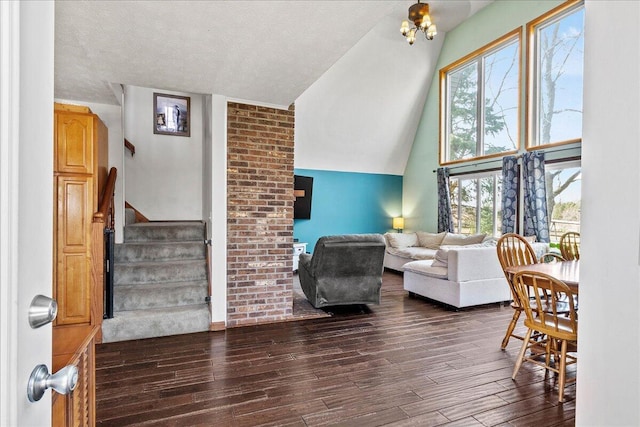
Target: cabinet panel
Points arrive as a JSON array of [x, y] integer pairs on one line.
[[74, 138], [77, 409], [73, 250]]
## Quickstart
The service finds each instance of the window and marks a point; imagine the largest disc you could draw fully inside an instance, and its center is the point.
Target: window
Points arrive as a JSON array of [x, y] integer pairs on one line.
[[479, 112], [563, 198], [555, 46], [476, 203]]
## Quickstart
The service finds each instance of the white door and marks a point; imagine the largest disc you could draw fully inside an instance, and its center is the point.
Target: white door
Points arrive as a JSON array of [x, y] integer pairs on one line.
[[26, 202]]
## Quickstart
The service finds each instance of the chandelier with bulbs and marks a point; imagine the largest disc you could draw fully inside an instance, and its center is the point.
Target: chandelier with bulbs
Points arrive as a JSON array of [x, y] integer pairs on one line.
[[419, 15]]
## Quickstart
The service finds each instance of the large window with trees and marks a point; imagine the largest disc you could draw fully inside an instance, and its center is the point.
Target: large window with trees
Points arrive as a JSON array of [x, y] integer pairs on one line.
[[555, 46], [476, 203], [563, 197], [479, 107]]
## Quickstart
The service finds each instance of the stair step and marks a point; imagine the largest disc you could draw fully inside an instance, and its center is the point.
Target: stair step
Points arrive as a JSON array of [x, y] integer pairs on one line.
[[156, 295], [156, 272], [158, 251], [160, 282], [157, 322], [164, 231]]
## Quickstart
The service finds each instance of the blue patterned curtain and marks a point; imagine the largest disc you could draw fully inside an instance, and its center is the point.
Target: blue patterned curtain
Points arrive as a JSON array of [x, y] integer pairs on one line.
[[445, 219], [510, 181], [536, 221]]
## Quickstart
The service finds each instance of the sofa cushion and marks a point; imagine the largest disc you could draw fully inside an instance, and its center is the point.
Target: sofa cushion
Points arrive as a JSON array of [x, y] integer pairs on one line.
[[441, 259], [416, 252], [425, 268], [430, 240], [462, 239], [401, 240]]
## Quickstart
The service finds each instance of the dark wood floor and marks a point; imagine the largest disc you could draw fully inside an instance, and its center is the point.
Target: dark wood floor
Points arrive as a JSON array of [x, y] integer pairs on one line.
[[407, 362]]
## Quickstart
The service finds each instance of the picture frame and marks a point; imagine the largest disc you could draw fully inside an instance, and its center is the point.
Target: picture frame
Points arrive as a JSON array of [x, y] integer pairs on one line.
[[171, 114]]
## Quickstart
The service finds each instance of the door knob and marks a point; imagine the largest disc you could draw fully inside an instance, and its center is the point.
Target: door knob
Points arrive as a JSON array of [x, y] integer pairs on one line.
[[64, 381], [42, 311]]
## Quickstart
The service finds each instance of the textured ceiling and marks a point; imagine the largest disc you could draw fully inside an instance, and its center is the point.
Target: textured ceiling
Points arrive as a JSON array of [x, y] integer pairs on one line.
[[263, 51]]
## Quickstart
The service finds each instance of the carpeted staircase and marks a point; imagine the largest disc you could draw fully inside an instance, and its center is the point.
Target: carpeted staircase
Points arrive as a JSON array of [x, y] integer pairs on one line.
[[160, 282]]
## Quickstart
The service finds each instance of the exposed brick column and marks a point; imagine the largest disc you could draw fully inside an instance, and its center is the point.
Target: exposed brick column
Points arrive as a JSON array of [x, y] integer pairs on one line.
[[260, 214]]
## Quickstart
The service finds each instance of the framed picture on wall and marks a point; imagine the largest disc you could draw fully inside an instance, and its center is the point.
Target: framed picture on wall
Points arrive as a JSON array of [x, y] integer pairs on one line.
[[171, 115]]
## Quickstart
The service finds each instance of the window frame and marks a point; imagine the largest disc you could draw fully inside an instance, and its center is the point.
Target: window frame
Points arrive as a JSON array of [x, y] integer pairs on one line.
[[475, 56], [531, 70], [496, 174]]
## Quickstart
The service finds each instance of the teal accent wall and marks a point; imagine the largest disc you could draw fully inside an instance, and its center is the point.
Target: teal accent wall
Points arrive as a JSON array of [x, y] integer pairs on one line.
[[420, 197], [349, 203]]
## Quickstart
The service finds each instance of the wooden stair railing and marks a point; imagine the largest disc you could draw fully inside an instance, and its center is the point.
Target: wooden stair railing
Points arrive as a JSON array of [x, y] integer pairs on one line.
[[103, 218], [128, 145]]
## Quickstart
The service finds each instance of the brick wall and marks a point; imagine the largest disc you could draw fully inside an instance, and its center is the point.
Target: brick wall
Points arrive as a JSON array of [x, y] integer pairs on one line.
[[260, 214]]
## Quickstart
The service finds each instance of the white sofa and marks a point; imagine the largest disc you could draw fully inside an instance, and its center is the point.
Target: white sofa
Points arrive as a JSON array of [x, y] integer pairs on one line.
[[454, 269], [471, 276], [405, 247]]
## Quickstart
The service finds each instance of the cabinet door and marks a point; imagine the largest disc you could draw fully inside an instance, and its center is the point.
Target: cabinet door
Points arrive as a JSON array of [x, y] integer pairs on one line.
[[73, 249], [74, 143], [77, 409]]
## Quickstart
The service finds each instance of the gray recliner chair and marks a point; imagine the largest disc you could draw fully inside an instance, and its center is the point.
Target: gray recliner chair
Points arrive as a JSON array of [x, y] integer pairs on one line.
[[343, 270]]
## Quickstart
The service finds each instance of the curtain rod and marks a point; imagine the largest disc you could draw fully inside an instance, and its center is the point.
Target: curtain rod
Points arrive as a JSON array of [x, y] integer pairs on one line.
[[517, 156]]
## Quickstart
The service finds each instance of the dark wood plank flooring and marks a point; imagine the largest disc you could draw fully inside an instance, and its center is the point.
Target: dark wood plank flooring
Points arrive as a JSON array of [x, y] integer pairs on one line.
[[407, 362]]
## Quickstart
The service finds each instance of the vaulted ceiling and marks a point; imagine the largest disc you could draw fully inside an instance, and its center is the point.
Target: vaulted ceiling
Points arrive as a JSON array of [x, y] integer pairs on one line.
[[269, 52]]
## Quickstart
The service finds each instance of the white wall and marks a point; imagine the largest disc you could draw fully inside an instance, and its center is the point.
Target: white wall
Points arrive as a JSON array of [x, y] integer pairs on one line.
[[362, 114], [164, 178], [111, 116], [218, 210], [609, 330]]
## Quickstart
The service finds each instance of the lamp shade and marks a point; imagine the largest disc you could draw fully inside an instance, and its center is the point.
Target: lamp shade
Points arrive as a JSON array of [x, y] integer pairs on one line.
[[398, 223]]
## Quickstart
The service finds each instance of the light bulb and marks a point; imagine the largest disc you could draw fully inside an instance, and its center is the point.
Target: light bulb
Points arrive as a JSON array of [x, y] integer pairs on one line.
[[404, 28], [411, 37], [431, 31], [426, 21]]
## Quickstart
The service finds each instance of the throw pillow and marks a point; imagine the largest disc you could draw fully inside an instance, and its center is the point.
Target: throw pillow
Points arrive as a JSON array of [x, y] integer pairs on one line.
[[452, 239], [402, 240], [441, 259], [530, 239], [430, 240]]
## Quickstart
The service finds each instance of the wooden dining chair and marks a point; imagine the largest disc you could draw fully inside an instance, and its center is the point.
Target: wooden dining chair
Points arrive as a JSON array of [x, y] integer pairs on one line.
[[514, 250], [548, 257], [570, 246], [559, 331]]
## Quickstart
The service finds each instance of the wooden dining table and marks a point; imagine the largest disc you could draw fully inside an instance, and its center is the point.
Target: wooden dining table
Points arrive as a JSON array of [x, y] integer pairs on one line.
[[567, 271]]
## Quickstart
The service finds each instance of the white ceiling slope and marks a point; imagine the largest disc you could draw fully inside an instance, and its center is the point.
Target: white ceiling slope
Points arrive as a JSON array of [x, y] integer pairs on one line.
[[264, 51], [363, 111], [362, 114]]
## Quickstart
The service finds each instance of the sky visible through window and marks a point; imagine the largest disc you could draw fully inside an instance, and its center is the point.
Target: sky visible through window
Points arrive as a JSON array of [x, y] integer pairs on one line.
[[560, 79]]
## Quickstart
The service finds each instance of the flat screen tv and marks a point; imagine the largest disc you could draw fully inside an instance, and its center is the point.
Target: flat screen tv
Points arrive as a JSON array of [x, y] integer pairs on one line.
[[303, 186]]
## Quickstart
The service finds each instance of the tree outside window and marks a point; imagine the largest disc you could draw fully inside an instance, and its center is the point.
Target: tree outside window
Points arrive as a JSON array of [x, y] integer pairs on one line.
[[556, 62], [563, 198], [476, 203], [480, 107]]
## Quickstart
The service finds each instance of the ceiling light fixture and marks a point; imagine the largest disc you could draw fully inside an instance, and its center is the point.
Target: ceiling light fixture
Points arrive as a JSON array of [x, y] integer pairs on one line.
[[419, 15]]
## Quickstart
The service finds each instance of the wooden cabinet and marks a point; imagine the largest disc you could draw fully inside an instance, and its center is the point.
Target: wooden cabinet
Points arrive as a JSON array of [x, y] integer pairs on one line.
[[74, 143], [78, 408], [80, 172], [73, 249], [80, 165]]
